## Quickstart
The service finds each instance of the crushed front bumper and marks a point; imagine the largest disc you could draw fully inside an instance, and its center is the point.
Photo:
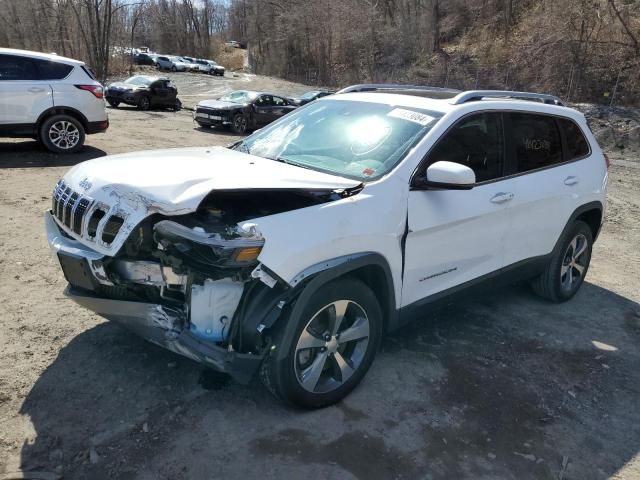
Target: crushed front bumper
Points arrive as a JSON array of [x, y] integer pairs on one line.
[[162, 324]]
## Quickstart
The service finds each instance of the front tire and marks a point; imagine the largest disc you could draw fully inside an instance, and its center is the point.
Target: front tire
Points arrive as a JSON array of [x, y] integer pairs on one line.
[[62, 134], [144, 103], [565, 272], [240, 124], [114, 103], [332, 347], [177, 106]]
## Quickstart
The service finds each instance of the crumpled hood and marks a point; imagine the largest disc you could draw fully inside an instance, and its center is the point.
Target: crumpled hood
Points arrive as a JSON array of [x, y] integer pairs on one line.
[[218, 104], [174, 182]]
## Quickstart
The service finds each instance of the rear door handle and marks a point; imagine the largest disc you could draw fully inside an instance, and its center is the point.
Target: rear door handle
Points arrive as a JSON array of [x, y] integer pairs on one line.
[[36, 90], [571, 180], [502, 197]]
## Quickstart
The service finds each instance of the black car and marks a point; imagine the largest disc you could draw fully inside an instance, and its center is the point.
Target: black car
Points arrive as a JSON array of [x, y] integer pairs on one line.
[[242, 110], [143, 59], [144, 92], [310, 97]]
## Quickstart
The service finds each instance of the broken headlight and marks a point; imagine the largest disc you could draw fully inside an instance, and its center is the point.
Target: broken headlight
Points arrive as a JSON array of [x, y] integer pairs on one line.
[[230, 247]]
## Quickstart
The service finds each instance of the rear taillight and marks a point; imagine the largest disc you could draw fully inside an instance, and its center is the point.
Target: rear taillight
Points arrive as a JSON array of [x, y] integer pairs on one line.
[[97, 90], [607, 161]]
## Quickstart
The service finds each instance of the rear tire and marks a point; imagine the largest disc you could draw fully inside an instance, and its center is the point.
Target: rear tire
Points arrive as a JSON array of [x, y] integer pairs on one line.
[[565, 272], [325, 359], [114, 103], [62, 134], [177, 106]]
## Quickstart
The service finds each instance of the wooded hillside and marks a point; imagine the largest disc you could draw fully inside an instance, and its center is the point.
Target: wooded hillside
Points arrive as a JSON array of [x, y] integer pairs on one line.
[[578, 49]]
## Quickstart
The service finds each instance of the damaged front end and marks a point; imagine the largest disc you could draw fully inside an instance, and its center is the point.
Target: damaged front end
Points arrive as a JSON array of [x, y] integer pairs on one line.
[[191, 283]]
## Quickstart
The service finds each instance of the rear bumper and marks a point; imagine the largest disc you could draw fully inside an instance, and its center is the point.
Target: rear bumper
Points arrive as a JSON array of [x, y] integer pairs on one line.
[[164, 326], [97, 127]]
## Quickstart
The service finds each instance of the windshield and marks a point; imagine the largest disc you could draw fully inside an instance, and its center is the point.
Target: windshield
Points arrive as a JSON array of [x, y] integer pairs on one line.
[[239, 96], [352, 139], [138, 81]]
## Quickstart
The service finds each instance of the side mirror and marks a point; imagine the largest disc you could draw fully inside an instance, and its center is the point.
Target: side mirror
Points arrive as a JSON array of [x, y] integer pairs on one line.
[[447, 176]]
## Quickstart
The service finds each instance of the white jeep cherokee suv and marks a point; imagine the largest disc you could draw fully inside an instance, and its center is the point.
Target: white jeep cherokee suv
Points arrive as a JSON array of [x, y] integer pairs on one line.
[[54, 99], [292, 252]]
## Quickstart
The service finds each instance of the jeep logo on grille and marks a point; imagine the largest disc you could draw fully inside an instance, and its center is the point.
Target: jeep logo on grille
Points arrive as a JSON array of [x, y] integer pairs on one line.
[[85, 183]]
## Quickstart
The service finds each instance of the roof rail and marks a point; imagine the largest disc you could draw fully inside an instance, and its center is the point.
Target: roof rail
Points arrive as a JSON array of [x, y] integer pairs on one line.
[[474, 95], [419, 90]]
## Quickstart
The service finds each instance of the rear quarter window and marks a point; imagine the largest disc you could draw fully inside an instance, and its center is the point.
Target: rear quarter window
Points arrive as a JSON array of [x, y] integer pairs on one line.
[[50, 70], [576, 143], [536, 140]]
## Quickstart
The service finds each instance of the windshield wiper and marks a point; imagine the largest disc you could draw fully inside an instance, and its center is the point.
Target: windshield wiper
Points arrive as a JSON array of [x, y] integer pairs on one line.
[[289, 162]]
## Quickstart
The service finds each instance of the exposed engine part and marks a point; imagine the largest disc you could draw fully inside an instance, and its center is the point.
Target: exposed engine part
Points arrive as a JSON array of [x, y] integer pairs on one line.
[[264, 277], [144, 272], [213, 305], [233, 206]]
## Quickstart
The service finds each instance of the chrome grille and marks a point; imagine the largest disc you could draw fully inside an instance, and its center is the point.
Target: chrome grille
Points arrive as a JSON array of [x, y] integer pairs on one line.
[[69, 207]]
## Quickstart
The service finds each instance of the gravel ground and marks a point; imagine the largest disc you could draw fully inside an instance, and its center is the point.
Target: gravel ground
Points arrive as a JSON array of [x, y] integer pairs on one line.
[[499, 386]]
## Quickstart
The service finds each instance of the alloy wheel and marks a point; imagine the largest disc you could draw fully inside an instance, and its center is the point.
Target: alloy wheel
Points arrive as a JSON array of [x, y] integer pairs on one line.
[[145, 103], [240, 124], [64, 135], [332, 346], [574, 262]]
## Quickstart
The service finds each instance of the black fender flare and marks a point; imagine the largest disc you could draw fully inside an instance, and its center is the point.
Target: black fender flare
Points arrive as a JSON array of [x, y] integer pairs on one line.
[[306, 289], [595, 205]]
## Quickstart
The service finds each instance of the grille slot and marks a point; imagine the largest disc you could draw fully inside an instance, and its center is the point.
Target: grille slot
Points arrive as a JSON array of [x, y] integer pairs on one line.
[[68, 208], [111, 228], [96, 216], [78, 215]]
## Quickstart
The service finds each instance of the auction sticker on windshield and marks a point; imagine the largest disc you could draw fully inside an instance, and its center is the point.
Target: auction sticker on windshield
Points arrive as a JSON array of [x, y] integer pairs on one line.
[[410, 115]]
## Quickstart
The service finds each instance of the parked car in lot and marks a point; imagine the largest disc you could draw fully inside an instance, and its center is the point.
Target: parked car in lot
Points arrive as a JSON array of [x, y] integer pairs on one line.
[[144, 92], [54, 99], [294, 252], [309, 97], [210, 67], [143, 59], [242, 110], [165, 62], [191, 64]]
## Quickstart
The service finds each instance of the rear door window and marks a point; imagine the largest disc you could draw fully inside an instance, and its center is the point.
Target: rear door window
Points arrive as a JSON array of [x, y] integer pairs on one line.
[[536, 141], [576, 144], [14, 67]]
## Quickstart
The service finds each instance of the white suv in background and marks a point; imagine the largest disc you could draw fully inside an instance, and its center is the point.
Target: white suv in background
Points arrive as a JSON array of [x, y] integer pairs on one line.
[[54, 99], [294, 251]]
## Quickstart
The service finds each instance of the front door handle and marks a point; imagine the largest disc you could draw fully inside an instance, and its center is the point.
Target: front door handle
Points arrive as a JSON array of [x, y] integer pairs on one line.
[[36, 90], [571, 180], [502, 197]]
